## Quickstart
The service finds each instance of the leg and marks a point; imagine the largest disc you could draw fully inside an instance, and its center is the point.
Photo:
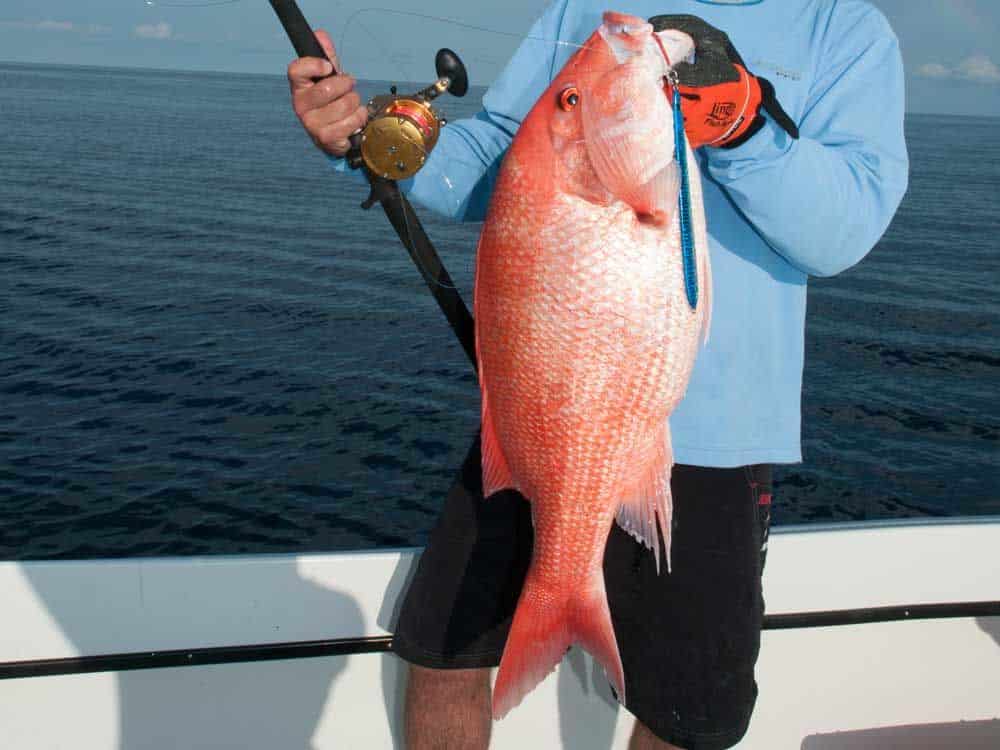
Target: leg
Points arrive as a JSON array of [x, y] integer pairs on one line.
[[448, 709], [643, 739], [457, 610], [689, 638]]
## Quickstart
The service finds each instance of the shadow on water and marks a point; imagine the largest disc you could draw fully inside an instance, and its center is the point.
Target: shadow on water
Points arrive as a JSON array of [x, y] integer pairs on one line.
[[224, 706]]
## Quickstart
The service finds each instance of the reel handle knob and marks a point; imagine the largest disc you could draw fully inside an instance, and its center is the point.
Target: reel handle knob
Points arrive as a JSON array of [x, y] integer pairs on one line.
[[449, 66]]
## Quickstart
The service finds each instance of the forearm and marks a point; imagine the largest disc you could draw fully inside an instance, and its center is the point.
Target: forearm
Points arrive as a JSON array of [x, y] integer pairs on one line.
[[824, 200], [822, 206], [457, 180]]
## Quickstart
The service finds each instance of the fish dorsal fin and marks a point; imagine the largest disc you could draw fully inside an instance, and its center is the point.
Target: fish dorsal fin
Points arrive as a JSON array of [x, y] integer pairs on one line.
[[496, 474], [646, 510]]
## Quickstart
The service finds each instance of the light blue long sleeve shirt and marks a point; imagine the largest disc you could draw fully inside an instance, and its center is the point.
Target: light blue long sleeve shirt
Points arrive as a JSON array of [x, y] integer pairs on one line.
[[778, 210]]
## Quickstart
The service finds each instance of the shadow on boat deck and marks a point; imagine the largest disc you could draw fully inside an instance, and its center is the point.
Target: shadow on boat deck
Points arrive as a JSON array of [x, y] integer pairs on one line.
[[990, 626], [968, 735], [222, 706], [587, 710]]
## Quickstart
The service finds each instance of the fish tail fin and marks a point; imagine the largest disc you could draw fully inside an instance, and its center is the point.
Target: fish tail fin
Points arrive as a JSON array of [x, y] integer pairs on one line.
[[592, 628], [546, 623]]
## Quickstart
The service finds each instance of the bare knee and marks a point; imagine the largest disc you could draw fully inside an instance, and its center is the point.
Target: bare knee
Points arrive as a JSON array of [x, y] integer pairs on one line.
[[447, 709], [448, 682], [644, 739]]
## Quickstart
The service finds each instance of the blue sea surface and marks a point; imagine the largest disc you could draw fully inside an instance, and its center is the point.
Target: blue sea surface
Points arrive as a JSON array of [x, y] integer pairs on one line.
[[207, 347]]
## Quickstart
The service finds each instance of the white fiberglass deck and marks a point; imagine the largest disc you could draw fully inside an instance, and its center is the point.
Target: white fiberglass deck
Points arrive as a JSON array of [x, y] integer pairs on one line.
[[913, 684]]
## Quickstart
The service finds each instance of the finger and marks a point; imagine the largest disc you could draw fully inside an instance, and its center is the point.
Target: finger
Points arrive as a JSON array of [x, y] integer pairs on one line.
[[339, 148], [327, 44], [332, 99], [334, 137], [337, 120], [302, 73]]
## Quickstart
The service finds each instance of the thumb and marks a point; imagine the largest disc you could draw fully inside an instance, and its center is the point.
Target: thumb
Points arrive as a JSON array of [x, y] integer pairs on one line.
[[327, 44]]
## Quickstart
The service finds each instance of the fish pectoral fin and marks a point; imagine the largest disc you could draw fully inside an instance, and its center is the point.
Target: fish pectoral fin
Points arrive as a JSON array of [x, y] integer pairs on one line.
[[655, 202], [646, 510], [496, 474]]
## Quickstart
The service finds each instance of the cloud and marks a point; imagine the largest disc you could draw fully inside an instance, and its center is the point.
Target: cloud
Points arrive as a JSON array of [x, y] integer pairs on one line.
[[978, 69], [58, 26], [161, 30], [54, 26], [934, 70]]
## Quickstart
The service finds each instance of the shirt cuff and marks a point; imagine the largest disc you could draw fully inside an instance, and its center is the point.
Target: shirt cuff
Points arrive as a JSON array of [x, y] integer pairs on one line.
[[340, 165], [769, 143]]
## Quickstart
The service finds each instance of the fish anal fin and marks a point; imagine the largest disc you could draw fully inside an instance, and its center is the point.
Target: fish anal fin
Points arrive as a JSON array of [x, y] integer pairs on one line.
[[646, 509], [496, 474]]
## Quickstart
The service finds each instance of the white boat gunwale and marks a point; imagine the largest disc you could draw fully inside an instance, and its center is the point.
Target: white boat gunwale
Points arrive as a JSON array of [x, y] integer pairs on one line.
[[821, 685]]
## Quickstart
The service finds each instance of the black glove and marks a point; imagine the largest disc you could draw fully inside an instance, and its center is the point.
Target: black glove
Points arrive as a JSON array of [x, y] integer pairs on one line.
[[721, 100]]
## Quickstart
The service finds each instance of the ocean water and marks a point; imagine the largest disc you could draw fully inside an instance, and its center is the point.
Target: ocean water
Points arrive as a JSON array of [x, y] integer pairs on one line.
[[207, 347]]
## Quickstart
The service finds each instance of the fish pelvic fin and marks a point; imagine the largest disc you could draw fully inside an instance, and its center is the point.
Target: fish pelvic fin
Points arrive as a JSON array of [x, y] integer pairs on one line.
[[647, 507], [546, 623], [496, 474]]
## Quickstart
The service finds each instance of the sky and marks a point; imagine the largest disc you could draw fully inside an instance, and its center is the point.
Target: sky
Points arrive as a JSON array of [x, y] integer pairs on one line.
[[951, 48]]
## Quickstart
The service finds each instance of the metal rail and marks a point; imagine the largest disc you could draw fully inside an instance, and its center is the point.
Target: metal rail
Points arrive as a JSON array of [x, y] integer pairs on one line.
[[197, 657]]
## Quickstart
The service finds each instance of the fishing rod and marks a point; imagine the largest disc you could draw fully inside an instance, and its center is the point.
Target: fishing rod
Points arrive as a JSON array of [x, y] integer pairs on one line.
[[394, 145]]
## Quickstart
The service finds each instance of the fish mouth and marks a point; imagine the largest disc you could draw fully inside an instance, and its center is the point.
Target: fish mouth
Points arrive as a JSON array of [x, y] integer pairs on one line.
[[626, 35], [623, 23]]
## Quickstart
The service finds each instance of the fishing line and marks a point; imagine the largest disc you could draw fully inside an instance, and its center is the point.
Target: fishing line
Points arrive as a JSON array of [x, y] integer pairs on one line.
[[424, 271], [355, 19], [453, 22]]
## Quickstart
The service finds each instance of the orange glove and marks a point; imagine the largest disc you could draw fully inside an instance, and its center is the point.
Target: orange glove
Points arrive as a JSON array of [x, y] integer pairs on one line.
[[721, 101]]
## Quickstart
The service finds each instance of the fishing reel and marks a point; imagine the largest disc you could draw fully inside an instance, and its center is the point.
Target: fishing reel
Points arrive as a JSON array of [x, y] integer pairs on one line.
[[403, 130]]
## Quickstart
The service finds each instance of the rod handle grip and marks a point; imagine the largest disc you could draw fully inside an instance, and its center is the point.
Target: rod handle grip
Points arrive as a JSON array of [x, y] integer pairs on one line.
[[305, 42]]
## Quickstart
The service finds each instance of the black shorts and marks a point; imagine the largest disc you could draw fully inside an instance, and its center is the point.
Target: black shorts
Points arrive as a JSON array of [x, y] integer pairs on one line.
[[688, 639]]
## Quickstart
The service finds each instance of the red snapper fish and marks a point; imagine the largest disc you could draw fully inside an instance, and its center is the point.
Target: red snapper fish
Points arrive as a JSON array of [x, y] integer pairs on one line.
[[585, 335]]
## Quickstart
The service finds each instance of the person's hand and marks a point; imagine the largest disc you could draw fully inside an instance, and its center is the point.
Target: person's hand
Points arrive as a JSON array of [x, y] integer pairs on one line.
[[720, 99], [327, 105]]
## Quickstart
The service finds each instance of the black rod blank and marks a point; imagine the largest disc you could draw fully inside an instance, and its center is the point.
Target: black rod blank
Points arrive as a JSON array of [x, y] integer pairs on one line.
[[299, 32], [398, 210]]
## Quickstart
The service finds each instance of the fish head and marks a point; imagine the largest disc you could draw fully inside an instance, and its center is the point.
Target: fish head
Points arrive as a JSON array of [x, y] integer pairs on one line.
[[611, 120]]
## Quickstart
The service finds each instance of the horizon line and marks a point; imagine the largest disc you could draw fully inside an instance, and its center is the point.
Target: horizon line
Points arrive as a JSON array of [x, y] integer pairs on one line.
[[417, 84]]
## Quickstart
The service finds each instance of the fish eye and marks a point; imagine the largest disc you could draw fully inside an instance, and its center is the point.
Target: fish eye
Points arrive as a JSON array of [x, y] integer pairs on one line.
[[569, 98]]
